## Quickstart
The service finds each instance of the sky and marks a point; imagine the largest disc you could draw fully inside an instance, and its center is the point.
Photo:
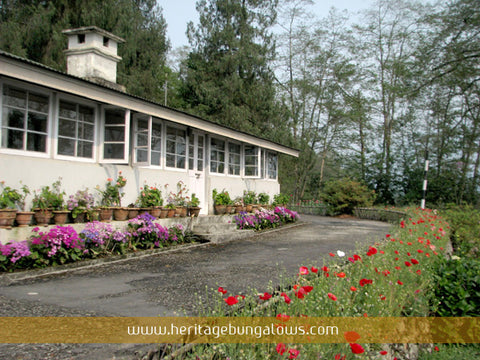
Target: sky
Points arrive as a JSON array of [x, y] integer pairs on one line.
[[179, 12]]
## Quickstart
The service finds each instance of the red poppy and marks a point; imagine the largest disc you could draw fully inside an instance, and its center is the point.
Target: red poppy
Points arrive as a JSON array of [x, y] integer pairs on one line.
[[420, 251], [231, 300], [353, 288], [303, 270], [371, 251], [408, 254], [341, 275], [357, 257], [307, 288], [300, 293], [419, 272], [265, 296], [293, 353], [281, 348], [399, 282], [396, 252], [383, 352], [222, 290], [340, 357], [283, 317], [351, 336], [436, 348], [364, 282], [331, 296], [314, 269], [414, 261], [331, 254], [397, 267], [407, 264], [326, 269], [382, 297], [387, 236], [357, 348]]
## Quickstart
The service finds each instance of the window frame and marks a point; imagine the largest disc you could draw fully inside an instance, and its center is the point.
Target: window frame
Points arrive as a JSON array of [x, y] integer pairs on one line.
[[267, 164], [258, 163], [225, 160], [77, 101], [165, 153], [127, 135], [51, 101], [149, 132], [228, 158]]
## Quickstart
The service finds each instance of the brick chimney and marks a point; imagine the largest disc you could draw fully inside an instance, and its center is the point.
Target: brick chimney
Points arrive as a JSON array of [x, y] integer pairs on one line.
[[92, 55]]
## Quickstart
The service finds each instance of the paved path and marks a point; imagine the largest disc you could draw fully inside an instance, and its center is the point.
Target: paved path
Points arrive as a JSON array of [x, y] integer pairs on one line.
[[167, 284]]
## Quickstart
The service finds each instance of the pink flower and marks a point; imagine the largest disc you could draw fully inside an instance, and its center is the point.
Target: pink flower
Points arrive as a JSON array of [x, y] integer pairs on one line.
[[293, 353], [281, 348], [303, 270]]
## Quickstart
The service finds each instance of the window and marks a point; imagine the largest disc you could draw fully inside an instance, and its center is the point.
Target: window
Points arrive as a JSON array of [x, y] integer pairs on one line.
[[199, 145], [115, 138], [176, 148], [251, 161], [272, 163], [76, 130], [200, 152], [24, 120], [105, 41], [234, 152], [81, 38], [148, 141], [217, 156]]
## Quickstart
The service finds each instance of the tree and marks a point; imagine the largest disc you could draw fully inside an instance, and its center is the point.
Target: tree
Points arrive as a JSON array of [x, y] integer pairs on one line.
[[33, 29], [227, 77]]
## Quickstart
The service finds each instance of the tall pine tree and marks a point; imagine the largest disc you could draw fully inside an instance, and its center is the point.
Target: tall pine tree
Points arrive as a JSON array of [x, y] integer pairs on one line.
[[226, 76]]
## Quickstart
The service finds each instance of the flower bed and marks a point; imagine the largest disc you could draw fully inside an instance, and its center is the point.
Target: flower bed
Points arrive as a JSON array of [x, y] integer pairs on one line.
[[393, 278], [63, 244], [265, 219]]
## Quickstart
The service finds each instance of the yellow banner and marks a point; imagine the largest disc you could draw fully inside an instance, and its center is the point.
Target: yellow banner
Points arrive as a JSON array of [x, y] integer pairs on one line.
[[238, 330]]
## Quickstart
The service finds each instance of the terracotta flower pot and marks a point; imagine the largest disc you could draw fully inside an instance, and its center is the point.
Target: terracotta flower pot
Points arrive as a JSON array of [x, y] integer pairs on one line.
[[194, 211], [220, 209], [133, 213], [7, 218], [163, 213], [43, 216], [106, 214], [24, 218], [120, 214], [60, 216], [155, 212], [80, 218], [171, 213]]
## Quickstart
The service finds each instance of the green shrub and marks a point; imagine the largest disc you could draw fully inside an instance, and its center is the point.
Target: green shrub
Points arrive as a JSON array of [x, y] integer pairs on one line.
[[344, 195], [457, 287], [281, 199], [465, 226]]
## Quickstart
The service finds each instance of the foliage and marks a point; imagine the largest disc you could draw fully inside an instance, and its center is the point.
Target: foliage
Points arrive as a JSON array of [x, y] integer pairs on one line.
[[452, 352], [112, 194], [263, 198], [465, 223], [344, 195], [102, 239], [249, 197], [194, 201], [178, 198], [143, 233], [221, 198], [9, 198], [457, 289], [81, 201], [49, 197], [150, 197], [281, 199], [265, 219]]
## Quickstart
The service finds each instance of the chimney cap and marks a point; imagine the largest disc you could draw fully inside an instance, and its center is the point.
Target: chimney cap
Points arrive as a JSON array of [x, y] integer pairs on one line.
[[89, 29]]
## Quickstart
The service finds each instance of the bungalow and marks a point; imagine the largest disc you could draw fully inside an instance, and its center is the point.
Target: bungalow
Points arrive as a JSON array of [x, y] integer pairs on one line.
[[82, 127]]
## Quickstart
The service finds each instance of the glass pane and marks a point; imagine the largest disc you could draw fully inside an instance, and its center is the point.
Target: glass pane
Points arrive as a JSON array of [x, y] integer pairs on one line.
[[15, 97], [181, 162], [85, 149], [12, 139], [170, 147], [190, 163], [66, 128], [155, 158], [37, 122], [156, 144], [36, 142], [213, 156], [220, 168], [15, 118], [86, 131], [170, 160], [113, 151], [234, 148], [87, 114], [68, 110], [200, 165], [115, 134], [142, 139], [213, 167], [114, 116], [38, 103], [156, 130], [181, 149], [221, 157], [142, 155], [142, 124], [200, 153], [66, 147]]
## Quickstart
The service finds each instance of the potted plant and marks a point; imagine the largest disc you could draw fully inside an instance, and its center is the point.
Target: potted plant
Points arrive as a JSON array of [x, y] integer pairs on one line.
[[111, 201], [151, 199], [249, 198], [23, 217], [193, 206], [181, 199], [8, 203], [45, 201], [238, 205], [81, 206], [264, 199], [220, 201]]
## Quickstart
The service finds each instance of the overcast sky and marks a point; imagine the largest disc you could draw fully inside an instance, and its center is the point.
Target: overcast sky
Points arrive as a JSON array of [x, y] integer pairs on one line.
[[179, 12]]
